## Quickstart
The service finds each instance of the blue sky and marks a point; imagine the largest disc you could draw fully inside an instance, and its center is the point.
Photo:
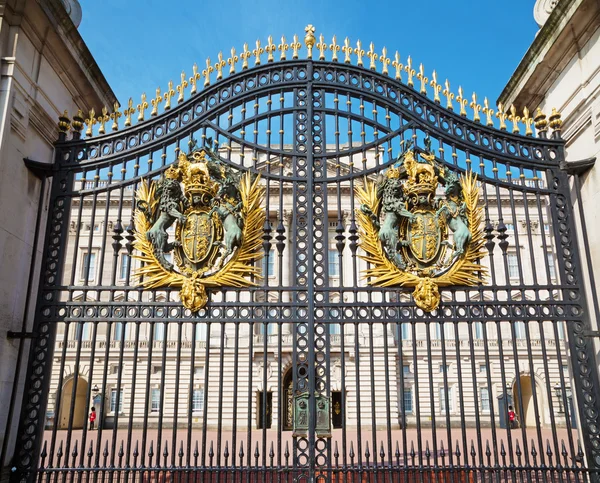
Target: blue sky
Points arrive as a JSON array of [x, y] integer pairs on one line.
[[140, 45]]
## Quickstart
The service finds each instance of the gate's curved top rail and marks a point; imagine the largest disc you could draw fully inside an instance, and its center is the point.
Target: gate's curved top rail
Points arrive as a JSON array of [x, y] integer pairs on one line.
[[353, 75]]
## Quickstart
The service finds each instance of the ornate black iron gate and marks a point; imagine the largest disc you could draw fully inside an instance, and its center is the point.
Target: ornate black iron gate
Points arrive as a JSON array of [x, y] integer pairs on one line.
[[314, 373]]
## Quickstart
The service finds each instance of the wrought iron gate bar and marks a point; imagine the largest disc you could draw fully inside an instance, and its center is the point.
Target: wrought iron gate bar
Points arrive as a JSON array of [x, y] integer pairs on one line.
[[313, 373]]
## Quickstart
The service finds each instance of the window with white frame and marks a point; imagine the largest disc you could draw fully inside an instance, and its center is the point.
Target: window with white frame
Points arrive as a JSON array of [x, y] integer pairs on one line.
[[113, 400], [513, 265], [88, 266], [83, 331], [408, 400], [406, 369], [449, 393], [478, 330], [124, 266], [117, 331], [200, 335], [405, 329], [155, 400], [483, 369], [269, 264], [334, 263], [484, 397], [551, 266], [519, 329], [198, 400], [159, 331]]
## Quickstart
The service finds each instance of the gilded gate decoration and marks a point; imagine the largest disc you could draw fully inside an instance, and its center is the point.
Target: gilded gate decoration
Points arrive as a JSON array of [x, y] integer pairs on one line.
[[411, 246], [219, 227]]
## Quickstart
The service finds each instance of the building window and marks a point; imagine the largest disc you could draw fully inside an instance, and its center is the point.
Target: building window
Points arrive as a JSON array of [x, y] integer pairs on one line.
[[510, 227], [200, 335], [406, 369], [519, 330], [445, 367], [198, 400], [443, 394], [546, 228], [334, 329], [408, 400], [483, 369], [83, 330], [117, 331], [88, 268], [513, 265], [113, 400], [405, 331], [334, 263], [269, 264], [485, 399], [124, 267], [448, 331], [159, 331], [155, 400], [551, 266], [478, 330], [199, 372], [271, 329], [156, 370]]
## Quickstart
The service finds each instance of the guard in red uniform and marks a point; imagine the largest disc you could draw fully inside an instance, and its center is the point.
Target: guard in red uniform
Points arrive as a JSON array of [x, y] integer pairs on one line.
[[512, 417], [92, 418]]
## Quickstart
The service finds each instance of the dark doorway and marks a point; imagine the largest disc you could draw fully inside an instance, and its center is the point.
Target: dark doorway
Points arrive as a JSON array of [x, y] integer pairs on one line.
[[288, 401], [337, 409], [269, 409]]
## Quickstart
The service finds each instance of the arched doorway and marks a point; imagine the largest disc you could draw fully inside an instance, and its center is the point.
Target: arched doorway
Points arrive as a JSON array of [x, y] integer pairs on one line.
[[79, 412], [527, 419]]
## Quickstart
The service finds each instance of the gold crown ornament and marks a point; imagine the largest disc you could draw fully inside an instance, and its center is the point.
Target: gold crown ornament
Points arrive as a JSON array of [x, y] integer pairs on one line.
[[196, 176]]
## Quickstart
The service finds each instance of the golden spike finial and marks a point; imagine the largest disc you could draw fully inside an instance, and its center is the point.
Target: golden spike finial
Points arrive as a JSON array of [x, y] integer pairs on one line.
[[232, 61], [541, 124], [167, 95], [245, 55], [270, 48], [449, 95], [130, 111], [283, 47], [141, 107], [207, 72], [335, 48], [476, 108], [410, 72], [501, 114], [514, 119], [528, 121], [372, 56], [385, 61], [347, 50], [322, 46], [295, 46], [258, 51], [489, 113], [219, 65], [436, 87], [102, 120], [309, 39], [398, 66], [359, 51], [194, 79], [462, 102], [90, 121], [184, 83], [424, 80], [115, 117], [156, 102]]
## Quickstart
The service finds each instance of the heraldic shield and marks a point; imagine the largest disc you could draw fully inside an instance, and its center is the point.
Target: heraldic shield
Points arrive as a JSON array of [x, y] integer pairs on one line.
[[413, 238], [218, 218]]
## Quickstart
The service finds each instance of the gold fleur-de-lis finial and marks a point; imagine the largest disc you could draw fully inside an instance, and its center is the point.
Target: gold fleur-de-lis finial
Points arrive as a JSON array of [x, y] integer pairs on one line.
[[309, 39], [501, 115], [156, 102], [258, 51], [232, 61], [168, 95], [115, 117], [449, 95], [347, 50], [436, 88], [462, 102], [219, 65], [489, 113], [283, 47], [476, 108], [359, 51], [184, 83], [335, 48], [295, 45], [385, 61], [424, 80], [514, 119], [245, 55], [398, 66], [410, 72], [372, 56], [270, 49], [90, 121], [194, 78], [102, 120], [130, 111], [206, 72], [528, 121], [322, 46], [141, 107]]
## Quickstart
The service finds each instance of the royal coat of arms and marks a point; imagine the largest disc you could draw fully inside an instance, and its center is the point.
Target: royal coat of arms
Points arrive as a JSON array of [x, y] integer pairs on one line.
[[218, 218], [413, 238]]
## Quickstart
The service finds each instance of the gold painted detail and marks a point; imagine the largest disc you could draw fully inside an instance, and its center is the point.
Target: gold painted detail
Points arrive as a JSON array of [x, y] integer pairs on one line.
[[218, 216], [413, 239]]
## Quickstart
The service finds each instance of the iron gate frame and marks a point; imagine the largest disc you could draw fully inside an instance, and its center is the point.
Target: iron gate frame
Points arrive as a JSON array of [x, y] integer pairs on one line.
[[309, 79]]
